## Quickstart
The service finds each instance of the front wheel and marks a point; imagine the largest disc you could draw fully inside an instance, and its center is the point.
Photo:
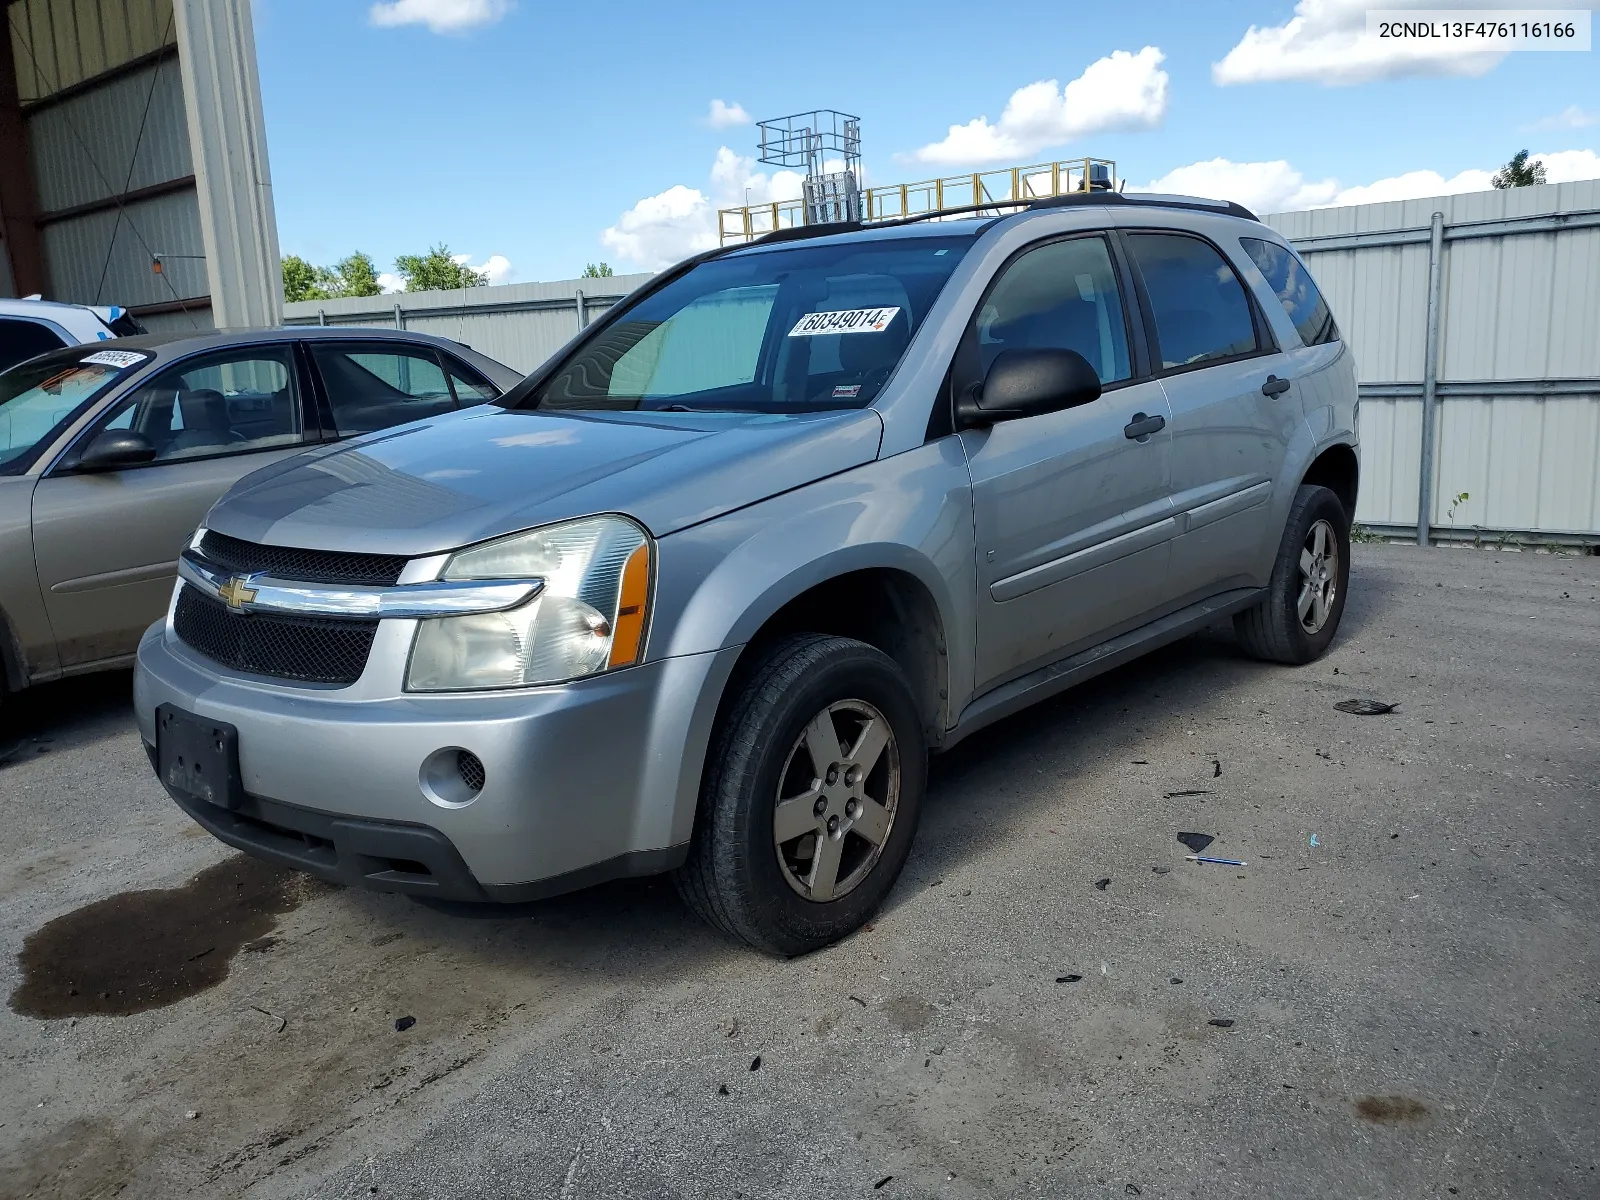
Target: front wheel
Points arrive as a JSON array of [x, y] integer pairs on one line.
[[1310, 578], [811, 796]]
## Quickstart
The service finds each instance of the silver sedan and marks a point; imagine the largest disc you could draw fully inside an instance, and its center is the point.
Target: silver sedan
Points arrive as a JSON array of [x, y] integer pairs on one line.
[[111, 452]]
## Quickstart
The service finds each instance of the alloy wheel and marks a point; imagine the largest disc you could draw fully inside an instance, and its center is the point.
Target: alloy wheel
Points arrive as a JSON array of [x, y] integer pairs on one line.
[[836, 800], [1319, 576]]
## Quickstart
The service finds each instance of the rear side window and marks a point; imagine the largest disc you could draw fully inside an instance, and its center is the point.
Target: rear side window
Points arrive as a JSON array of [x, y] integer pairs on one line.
[[1288, 277], [372, 387], [21, 340], [1201, 310]]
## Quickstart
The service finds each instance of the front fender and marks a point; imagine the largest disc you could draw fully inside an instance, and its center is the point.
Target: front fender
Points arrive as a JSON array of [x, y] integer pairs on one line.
[[719, 582]]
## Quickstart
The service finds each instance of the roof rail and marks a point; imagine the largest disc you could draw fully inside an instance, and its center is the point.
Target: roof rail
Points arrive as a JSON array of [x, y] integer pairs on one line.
[[1076, 199], [1196, 203]]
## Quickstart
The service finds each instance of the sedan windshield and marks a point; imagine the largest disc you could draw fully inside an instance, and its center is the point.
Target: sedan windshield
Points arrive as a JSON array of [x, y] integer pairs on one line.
[[42, 395], [797, 329]]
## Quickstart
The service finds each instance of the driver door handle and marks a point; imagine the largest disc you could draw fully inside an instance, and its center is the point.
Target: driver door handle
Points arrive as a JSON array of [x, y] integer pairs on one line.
[[1274, 386], [1141, 427]]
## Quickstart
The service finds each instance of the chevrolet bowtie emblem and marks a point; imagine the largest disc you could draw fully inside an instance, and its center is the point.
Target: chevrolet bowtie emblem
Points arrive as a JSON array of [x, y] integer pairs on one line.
[[237, 592]]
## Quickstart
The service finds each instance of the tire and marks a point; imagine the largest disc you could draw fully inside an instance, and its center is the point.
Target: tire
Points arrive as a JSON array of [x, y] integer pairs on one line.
[[771, 894], [1275, 630]]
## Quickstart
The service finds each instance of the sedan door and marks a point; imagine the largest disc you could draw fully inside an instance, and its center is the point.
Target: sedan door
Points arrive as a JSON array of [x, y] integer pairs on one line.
[[1071, 508], [107, 543]]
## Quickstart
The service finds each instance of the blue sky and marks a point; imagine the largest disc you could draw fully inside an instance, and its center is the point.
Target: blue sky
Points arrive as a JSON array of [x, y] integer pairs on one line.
[[527, 131]]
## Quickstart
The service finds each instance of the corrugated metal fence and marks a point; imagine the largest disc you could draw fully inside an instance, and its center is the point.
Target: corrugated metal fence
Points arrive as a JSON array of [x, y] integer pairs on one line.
[[521, 324], [1506, 406], [1513, 378]]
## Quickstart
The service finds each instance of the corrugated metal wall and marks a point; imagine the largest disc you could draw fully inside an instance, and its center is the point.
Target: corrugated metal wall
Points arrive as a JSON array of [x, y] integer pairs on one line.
[[82, 145], [58, 44], [104, 108], [1519, 353], [520, 324]]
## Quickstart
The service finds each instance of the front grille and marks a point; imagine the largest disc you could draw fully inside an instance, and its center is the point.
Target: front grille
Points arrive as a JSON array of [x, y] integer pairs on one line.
[[305, 566], [309, 649]]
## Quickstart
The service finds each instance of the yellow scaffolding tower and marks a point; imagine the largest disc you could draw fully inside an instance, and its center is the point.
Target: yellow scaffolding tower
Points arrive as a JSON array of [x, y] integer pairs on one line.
[[1008, 187]]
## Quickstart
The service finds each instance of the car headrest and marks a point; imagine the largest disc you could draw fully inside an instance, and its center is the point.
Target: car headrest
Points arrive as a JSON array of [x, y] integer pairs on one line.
[[204, 408]]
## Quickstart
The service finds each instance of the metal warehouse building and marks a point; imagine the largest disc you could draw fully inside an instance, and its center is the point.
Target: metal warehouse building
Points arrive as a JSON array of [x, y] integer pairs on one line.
[[131, 137]]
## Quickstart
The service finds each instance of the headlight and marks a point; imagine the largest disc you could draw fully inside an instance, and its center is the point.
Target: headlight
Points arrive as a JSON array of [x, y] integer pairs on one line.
[[588, 617]]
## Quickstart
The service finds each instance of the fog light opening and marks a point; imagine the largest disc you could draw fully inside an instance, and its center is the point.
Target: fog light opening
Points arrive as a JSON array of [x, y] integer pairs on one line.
[[452, 777]]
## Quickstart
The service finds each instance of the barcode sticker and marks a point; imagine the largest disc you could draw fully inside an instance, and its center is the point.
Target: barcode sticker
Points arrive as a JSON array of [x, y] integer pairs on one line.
[[848, 320], [121, 359]]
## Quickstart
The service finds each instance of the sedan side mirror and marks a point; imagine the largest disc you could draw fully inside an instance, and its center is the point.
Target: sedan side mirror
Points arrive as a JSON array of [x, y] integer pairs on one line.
[[1026, 383], [113, 449]]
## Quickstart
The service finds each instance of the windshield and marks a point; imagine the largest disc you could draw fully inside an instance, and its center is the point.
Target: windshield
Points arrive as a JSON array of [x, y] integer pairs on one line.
[[40, 396], [799, 329]]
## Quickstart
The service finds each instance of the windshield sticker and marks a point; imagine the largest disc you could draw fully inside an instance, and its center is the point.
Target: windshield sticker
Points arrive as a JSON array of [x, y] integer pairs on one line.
[[847, 391], [849, 320], [121, 359]]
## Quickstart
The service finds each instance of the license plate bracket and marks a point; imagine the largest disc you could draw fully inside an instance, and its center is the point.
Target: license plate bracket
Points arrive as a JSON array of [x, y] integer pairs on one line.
[[198, 756]]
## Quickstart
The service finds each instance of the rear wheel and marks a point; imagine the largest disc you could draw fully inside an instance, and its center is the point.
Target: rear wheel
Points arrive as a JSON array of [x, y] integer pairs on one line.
[[811, 796], [1305, 597]]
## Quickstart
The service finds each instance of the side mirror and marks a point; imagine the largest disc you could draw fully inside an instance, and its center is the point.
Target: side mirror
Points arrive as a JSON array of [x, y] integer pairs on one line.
[[1026, 383], [113, 449]]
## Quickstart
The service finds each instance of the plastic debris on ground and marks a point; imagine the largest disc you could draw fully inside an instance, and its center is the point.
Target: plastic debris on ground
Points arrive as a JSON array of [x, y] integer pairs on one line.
[[1196, 841], [1365, 708]]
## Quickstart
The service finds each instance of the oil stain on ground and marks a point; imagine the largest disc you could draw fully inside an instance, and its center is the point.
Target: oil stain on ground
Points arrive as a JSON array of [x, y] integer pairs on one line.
[[1390, 1110], [142, 950]]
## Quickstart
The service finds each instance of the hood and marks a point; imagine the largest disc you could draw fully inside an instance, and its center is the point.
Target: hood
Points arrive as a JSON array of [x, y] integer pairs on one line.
[[447, 482]]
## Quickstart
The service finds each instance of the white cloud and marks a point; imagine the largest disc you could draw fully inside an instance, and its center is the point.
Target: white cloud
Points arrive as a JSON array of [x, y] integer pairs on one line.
[[723, 115], [441, 16], [389, 282], [671, 225], [1259, 186], [497, 267], [1326, 42], [1269, 187], [1570, 117], [1122, 92], [1568, 166]]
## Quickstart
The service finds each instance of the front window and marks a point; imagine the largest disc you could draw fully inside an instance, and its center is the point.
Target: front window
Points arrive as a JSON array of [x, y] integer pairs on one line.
[[40, 397], [796, 329], [227, 403]]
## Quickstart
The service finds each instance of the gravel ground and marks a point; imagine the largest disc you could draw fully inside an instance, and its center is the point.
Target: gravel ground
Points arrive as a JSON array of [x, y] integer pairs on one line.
[[1414, 999]]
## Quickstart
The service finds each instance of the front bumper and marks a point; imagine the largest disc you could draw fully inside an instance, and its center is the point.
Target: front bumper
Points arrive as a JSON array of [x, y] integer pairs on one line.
[[583, 781]]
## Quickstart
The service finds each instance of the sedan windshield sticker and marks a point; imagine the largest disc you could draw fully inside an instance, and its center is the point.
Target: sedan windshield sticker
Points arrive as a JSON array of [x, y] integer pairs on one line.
[[849, 320], [121, 359]]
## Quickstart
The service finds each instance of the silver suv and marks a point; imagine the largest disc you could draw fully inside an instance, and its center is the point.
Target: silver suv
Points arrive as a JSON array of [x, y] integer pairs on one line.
[[703, 592]]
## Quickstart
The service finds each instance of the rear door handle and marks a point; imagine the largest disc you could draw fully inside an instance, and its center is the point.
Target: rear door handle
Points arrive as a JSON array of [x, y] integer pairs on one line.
[[1274, 386], [1141, 427]]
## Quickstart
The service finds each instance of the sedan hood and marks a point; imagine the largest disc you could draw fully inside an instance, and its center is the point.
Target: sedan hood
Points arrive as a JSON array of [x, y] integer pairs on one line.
[[444, 483]]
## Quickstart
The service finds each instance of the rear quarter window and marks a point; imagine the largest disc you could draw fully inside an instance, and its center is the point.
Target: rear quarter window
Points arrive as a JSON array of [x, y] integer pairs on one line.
[[1287, 276]]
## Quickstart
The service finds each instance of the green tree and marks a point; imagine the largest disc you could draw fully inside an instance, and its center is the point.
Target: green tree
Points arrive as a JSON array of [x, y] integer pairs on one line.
[[303, 281], [437, 270], [1519, 172], [598, 271], [358, 276]]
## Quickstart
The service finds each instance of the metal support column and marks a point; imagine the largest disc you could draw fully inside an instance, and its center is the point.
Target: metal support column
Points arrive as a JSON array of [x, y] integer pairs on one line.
[[583, 313], [1430, 379], [399, 318]]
